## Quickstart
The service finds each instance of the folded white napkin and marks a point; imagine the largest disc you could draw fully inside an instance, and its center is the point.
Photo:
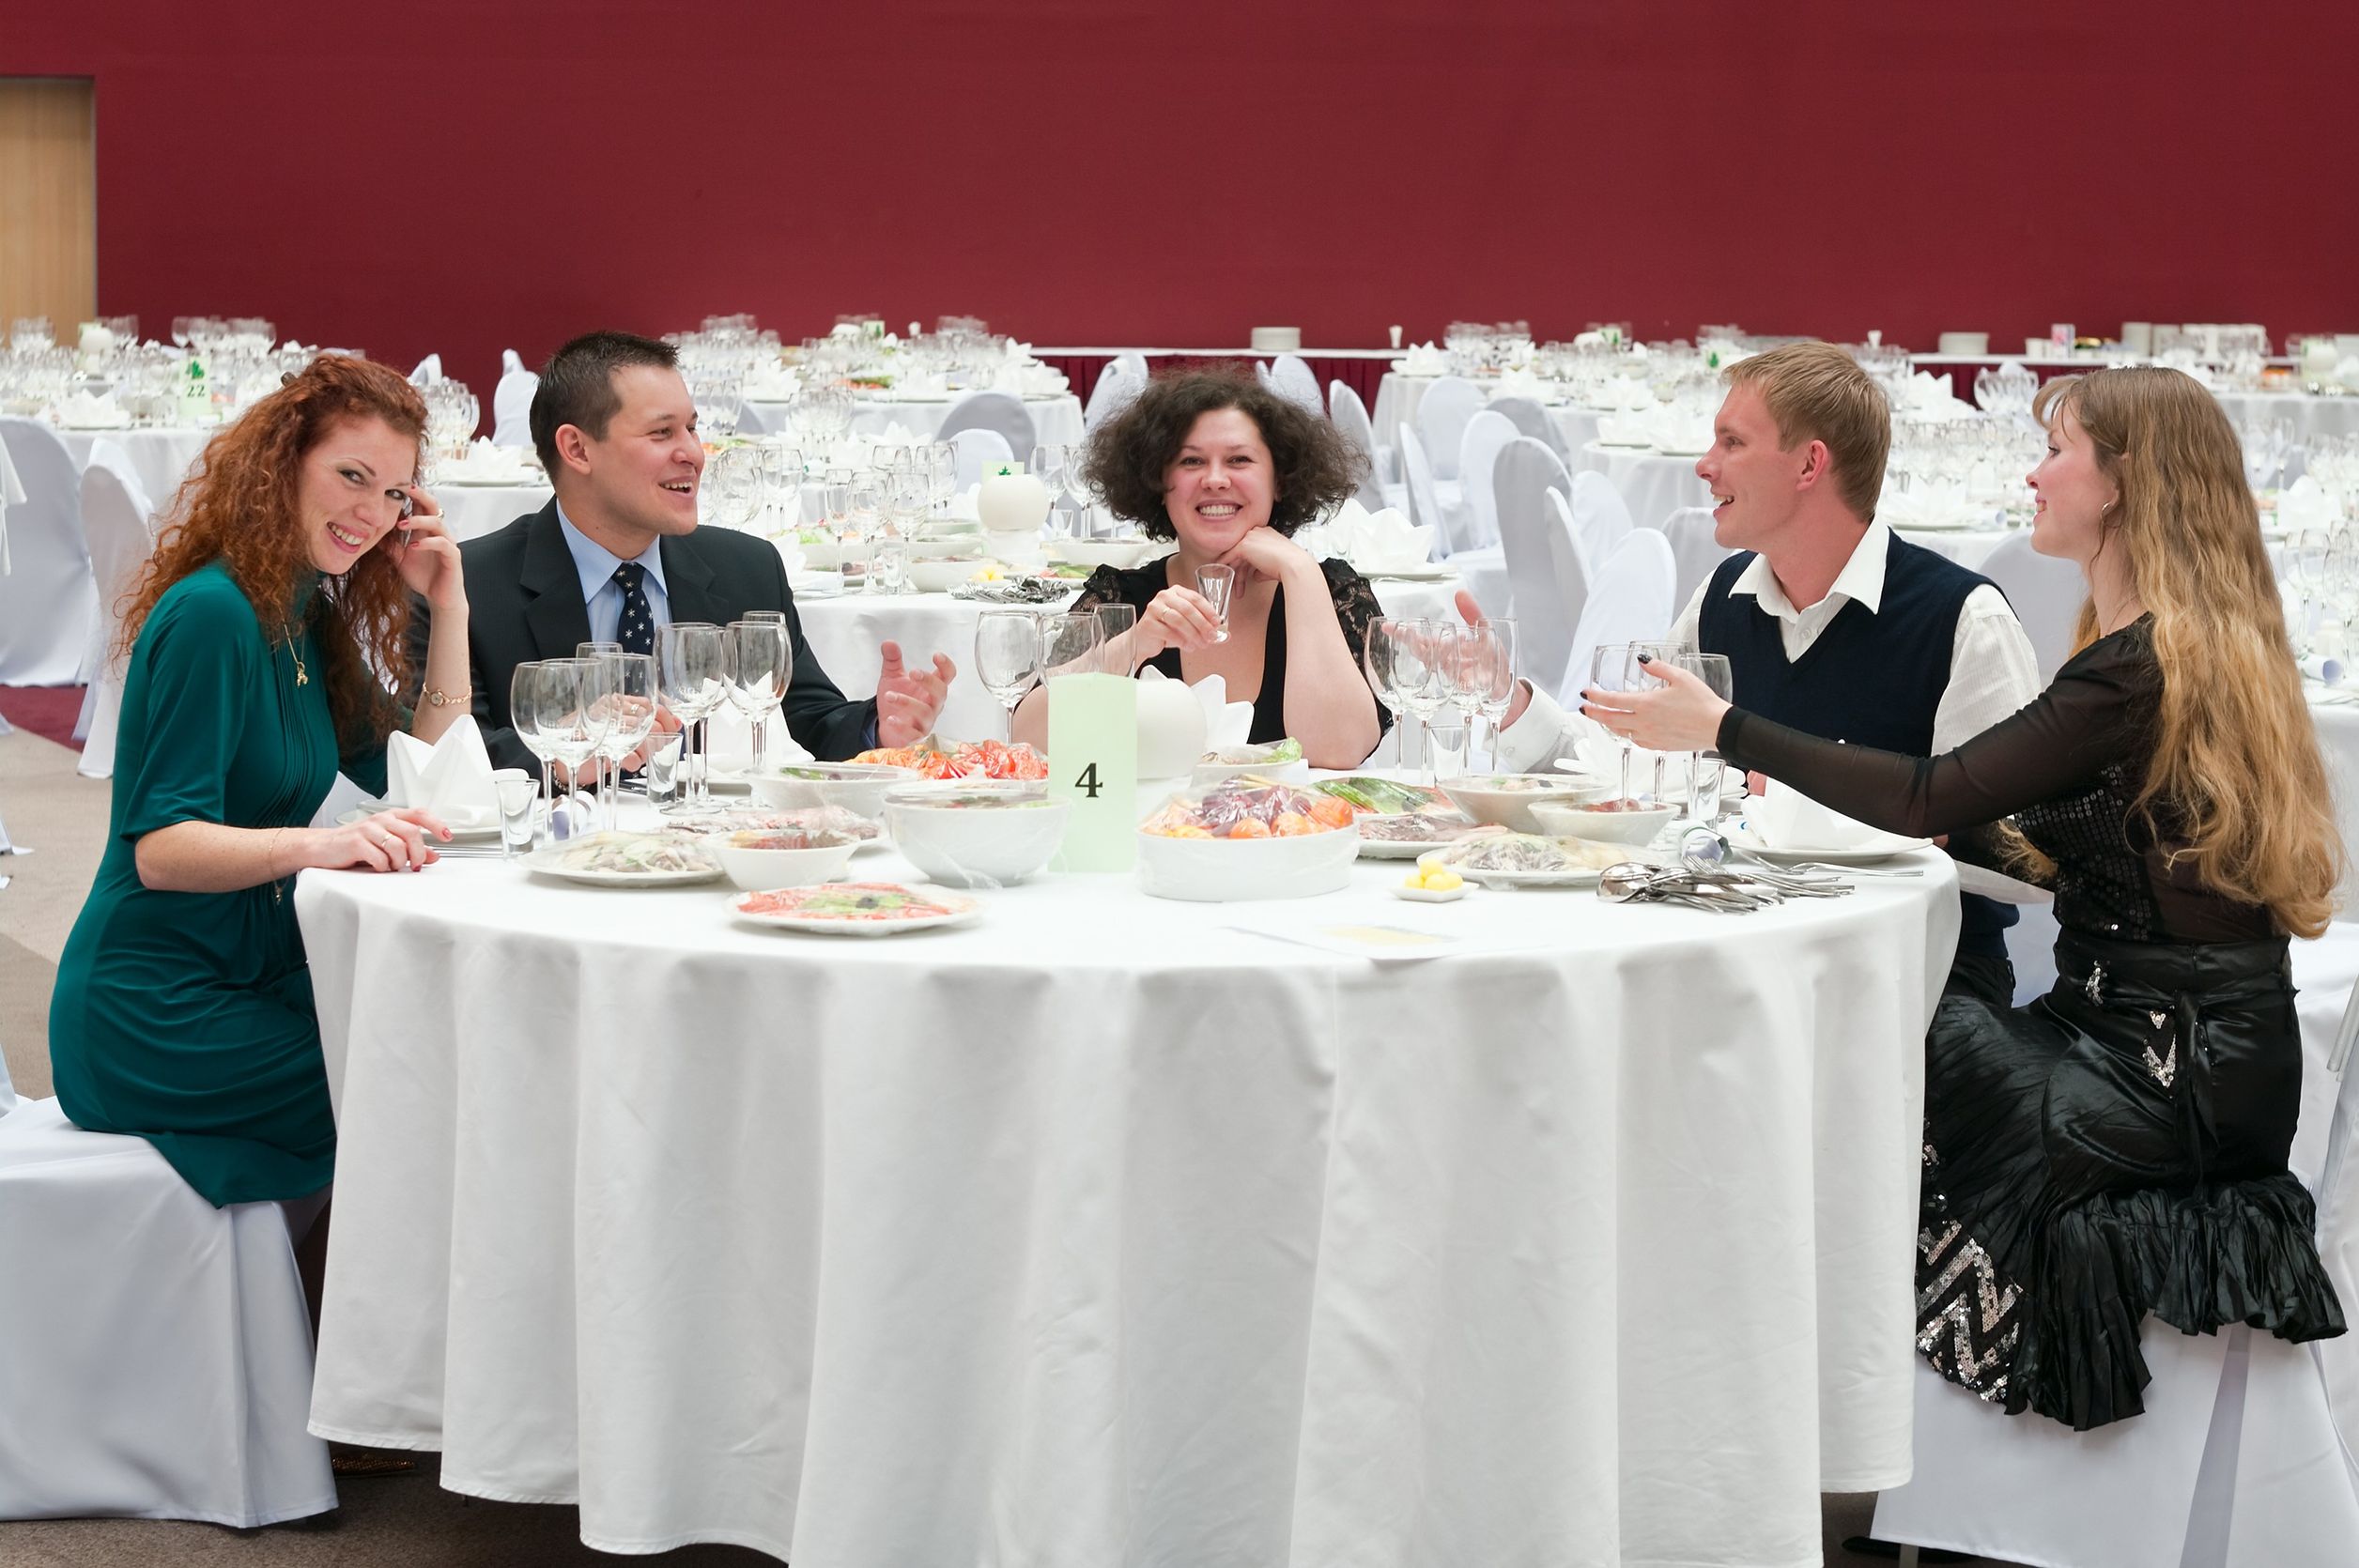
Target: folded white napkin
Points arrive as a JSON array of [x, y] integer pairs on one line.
[[2305, 503], [2347, 371], [1929, 397], [771, 384], [1423, 359], [1626, 391], [1786, 818], [1225, 723], [451, 778], [83, 411], [730, 736], [1381, 541], [1930, 504]]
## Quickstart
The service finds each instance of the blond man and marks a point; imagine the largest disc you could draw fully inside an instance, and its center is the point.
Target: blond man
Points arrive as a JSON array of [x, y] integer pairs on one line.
[[1831, 622]]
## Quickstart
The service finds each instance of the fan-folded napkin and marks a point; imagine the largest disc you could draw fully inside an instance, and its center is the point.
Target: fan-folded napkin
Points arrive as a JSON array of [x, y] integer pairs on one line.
[[451, 778]]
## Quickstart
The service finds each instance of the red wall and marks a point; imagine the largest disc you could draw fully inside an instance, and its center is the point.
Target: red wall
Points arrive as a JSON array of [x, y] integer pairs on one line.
[[465, 178]]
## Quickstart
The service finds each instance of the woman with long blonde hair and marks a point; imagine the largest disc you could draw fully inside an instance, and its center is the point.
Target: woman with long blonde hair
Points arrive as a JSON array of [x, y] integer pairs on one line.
[[281, 588], [2116, 1148]]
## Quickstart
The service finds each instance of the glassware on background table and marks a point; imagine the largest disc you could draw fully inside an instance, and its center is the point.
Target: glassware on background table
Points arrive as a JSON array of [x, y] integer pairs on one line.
[[758, 666], [1614, 668], [1064, 522], [1008, 657], [1703, 793], [515, 793], [1048, 466], [1217, 583], [521, 700], [565, 710], [942, 474], [692, 661]]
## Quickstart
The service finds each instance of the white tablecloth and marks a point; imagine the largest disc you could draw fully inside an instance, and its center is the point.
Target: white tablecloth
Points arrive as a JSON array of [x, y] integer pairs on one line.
[[162, 455], [1398, 397], [1654, 484], [845, 632], [1055, 420], [2309, 416], [1101, 1232], [472, 511]]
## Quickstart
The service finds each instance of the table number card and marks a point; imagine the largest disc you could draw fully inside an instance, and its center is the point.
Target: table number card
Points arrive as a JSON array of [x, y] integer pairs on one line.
[[1093, 766]]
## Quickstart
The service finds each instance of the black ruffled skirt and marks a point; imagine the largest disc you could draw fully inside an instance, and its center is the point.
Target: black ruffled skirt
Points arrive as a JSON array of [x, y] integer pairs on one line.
[[2116, 1148]]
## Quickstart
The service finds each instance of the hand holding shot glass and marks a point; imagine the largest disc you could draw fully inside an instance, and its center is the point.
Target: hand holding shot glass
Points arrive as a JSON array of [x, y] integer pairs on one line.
[[1216, 582]]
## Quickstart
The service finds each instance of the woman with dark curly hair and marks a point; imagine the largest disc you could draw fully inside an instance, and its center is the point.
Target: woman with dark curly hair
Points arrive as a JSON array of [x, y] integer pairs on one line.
[[183, 1009], [1229, 469]]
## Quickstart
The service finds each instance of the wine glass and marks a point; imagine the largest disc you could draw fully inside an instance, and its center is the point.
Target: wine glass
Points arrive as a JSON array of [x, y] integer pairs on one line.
[[1008, 657], [693, 687], [1492, 678], [1614, 668], [1376, 661], [1703, 799], [633, 691], [523, 720], [1073, 643], [1669, 654], [867, 518], [1416, 679], [566, 694], [757, 667], [1453, 653], [597, 781], [1048, 466]]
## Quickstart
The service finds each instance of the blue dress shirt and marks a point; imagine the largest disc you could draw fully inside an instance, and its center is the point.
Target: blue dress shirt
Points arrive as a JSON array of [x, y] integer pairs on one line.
[[601, 595]]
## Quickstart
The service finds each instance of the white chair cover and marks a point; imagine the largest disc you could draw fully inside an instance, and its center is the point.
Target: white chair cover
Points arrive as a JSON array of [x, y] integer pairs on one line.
[[1487, 433], [2244, 1457], [48, 599], [7, 1090], [1350, 416], [509, 361], [115, 515], [977, 449], [1629, 601], [1117, 385], [2046, 595], [1548, 581], [155, 1356], [993, 410], [1441, 416], [1425, 506], [512, 404], [1290, 377], [1531, 418], [1693, 548], [428, 372], [1600, 516]]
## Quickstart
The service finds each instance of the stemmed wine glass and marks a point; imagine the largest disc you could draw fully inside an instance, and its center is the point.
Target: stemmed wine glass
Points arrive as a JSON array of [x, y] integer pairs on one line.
[[757, 667], [866, 518], [1008, 657], [1669, 654], [1072, 643], [521, 700], [633, 691], [1417, 677], [1703, 801], [597, 770], [1614, 668], [1489, 651], [568, 696], [1453, 653], [1375, 662], [694, 684]]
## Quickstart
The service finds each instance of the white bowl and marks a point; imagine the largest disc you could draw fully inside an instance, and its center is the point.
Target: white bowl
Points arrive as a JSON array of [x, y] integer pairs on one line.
[[1506, 799], [858, 787], [1205, 775], [1220, 871], [1564, 821], [940, 576], [758, 871], [825, 555], [1121, 554], [941, 548], [1002, 835]]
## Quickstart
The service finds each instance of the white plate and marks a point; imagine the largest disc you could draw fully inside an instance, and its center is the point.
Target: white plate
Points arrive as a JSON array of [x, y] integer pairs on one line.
[[963, 911], [1572, 876], [1399, 849], [543, 862], [1431, 895], [458, 835], [1744, 838]]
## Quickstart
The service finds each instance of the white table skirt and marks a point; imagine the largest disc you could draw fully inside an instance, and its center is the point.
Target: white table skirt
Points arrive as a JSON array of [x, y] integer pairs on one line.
[[1101, 1232], [162, 455], [1654, 484], [846, 633], [1055, 420]]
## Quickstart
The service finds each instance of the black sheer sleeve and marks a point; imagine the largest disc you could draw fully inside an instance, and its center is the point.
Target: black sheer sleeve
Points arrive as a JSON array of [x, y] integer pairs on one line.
[[1356, 610], [1103, 586], [2092, 716]]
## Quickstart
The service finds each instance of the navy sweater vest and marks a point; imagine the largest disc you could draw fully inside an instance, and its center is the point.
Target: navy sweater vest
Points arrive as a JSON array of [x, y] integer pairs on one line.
[[1872, 680]]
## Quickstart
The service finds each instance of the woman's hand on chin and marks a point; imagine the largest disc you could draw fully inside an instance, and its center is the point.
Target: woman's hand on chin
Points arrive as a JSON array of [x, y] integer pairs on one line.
[[1267, 553]]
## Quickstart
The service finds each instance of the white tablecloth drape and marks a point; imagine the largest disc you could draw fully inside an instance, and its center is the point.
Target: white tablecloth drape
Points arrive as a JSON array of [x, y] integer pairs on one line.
[[1654, 484], [846, 631], [1055, 420], [1103, 1232], [162, 455]]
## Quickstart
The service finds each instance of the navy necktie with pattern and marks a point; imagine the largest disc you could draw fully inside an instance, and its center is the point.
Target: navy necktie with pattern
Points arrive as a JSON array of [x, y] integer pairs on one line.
[[636, 631]]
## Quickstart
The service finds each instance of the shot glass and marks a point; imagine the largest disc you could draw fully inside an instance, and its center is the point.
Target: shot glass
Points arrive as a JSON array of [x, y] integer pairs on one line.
[[892, 566], [661, 776], [516, 793], [1216, 583]]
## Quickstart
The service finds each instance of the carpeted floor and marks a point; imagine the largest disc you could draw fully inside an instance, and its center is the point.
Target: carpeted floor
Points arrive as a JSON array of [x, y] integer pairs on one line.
[[48, 711], [395, 1523]]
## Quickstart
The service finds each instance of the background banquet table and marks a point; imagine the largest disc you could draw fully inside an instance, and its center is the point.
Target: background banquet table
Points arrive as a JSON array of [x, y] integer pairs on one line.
[[1105, 1231], [1654, 484], [1055, 420], [844, 633], [162, 455], [1399, 394], [2309, 414], [472, 511]]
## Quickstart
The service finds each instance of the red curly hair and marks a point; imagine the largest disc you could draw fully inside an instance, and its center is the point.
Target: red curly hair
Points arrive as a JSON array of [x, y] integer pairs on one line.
[[239, 508]]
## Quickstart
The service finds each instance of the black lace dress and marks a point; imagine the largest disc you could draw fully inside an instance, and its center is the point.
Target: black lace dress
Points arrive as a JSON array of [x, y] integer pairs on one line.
[[1355, 609], [2118, 1147]]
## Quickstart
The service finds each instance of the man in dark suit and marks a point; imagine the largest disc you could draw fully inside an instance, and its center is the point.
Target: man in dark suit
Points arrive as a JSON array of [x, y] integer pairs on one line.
[[617, 556]]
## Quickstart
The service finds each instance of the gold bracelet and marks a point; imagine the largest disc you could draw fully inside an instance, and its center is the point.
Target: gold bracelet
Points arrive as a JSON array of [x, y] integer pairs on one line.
[[440, 698]]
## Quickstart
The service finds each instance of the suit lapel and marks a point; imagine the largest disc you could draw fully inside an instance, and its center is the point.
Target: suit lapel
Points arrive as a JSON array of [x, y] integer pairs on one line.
[[688, 582], [554, 612]]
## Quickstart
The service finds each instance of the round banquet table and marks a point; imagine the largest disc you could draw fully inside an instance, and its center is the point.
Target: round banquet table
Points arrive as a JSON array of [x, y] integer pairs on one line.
[[472, 511], [1654, 484], [1399, 394], [1102, 1230], [844, 633], [2310, 415], [162, 455], [1055, 420]]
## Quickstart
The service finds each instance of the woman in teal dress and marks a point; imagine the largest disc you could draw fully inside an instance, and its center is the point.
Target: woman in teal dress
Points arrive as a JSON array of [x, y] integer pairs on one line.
[[183, 1009]]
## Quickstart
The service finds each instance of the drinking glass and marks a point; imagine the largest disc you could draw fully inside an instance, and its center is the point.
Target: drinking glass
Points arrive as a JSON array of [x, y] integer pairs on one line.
[[1703, 796], [1116, 621], [867, 518], [634, 689], [1375, 662], [1048, 466], [1455, 653], [1072, 644], [521, 698], [1008, 657], [892, 564], [1216, 583], [1611, 668], [1415, 677], [1491, 674], [694, 654], [757, 667], [1669, 653], [1064, 522], [566, 694], [512, 791]]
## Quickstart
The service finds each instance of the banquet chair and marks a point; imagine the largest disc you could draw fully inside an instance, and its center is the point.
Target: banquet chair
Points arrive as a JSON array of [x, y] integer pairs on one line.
[[2046, 595], [1350, 416], [1629, 601], [1693, 546], [1290, 377], [1548, 579], [1123, 379], [512, 403], [428, 372], [978, 450], [155, 1351], [1487, 433], [1531, 418], [1425, 502], [993, 410], [49, 598], [1441, 418], [1600, 516], [114, 524]]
